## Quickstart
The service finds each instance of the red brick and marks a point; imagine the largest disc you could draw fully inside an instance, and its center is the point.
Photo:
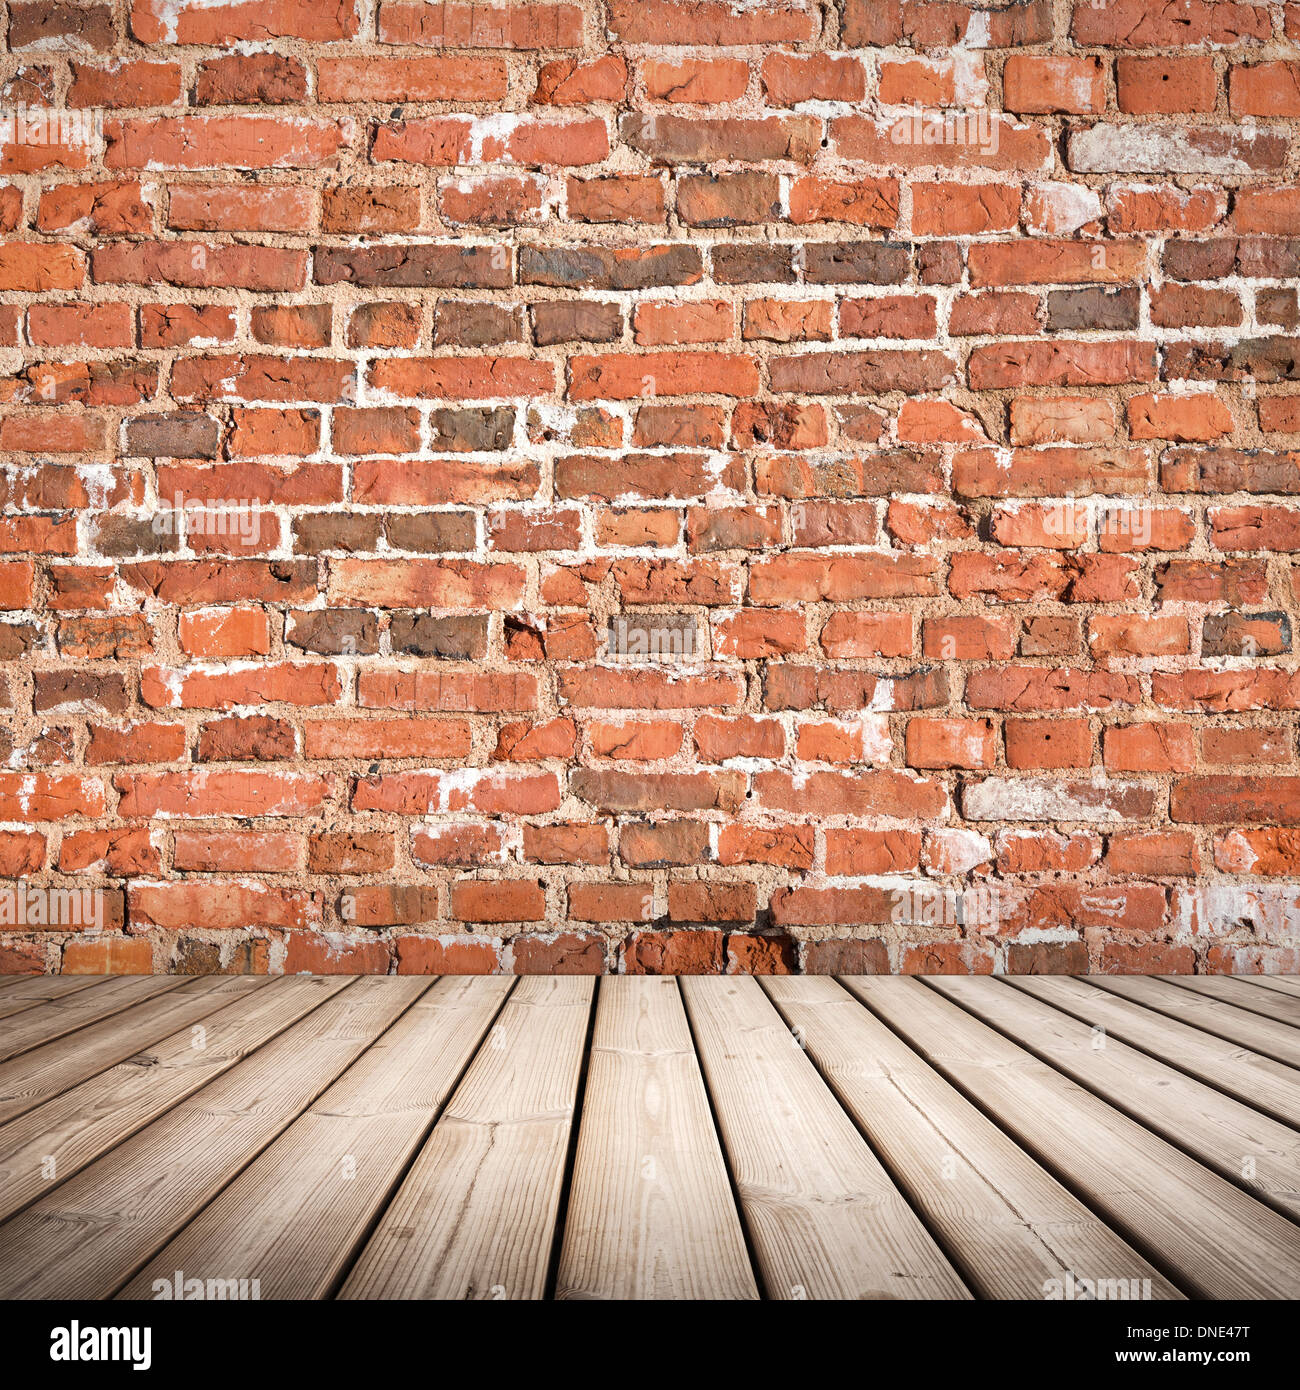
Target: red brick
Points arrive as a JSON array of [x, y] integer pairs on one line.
[[313, 954], [215, 142], [452, 78], [617, 377], [1150, 85], [706, 22], [867, 202], [447, 955], [175, 906], [1152, 209], [1053, 743], [766, 954], [206, 793], [108, 955], [615, 199], [560, 953], [1265, 89], [36, 267], [684, 952], [1075, 86], [1152, 853], [789, 78], [703, 81], [947, 958], [936, 743], [236, 851], [1154, 746], [610, 902], [460, 24], [1133, 24], [71, 325], [789, 847]]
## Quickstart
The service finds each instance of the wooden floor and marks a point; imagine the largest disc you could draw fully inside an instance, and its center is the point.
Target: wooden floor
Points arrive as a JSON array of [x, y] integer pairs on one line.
[[739, 1138]]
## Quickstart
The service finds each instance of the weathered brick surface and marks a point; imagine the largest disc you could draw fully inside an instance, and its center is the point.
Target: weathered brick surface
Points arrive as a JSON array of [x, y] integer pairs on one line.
[[651, 485]]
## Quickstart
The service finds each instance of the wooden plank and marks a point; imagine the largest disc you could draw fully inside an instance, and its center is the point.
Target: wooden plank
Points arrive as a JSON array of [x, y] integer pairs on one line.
[[1239, 1143], [825, 1219], [28, 991], [1210, 1237], [64, 1015], [1007, 1224], [295, 1218], [651, 1212], [475, 1217], [43, 1072], [1262, 1035], [94, 1231], [1282, 984], [1259, 1081], [54, 1141], [1240, 995]]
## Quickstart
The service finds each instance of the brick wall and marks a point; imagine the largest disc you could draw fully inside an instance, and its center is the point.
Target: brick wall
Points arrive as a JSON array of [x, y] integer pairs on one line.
[[650, 485]]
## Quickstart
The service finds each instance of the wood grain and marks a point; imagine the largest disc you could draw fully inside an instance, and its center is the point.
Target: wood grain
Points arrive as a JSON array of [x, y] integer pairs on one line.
[[651, 1213], [1210, 1237], [1240, 1144], [75, 1010], [59, 1138], [295, 1218], [475, 1216], [1257, 1080], [90, 1235], [1282, 984], [1240, 995], [42, 1072], [1262, 1035], [825, 1219], [26, 992], [651, 1138], [1007, 1225]]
